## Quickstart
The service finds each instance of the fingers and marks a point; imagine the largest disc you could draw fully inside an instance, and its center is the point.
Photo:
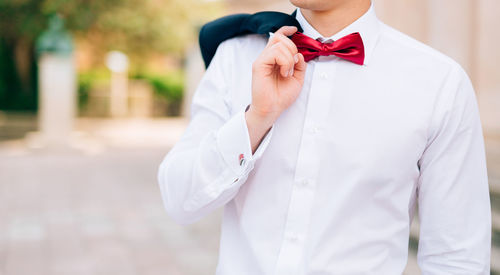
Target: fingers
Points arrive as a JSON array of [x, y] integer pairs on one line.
[[301, 64], [280, 55], [281, 51], [300, 67], [280, 36]]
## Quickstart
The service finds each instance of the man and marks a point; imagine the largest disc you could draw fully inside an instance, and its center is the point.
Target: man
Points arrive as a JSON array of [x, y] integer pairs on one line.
[[323, 172]]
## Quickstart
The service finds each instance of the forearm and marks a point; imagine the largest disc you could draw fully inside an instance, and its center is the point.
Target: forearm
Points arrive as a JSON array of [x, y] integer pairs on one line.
[[258, 126]]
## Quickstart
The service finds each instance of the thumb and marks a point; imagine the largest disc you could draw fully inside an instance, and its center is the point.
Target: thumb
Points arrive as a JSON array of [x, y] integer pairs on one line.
[[287, 30]]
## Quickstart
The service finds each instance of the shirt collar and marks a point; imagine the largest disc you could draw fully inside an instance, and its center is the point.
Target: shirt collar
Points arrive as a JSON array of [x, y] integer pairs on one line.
[[368, 26]]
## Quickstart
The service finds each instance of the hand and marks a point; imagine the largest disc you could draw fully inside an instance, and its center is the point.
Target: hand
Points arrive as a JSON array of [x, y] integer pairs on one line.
[[277, 77]]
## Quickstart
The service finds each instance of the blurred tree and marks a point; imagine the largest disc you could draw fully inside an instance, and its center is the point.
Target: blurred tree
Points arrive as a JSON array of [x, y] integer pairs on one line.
[[138, 27]]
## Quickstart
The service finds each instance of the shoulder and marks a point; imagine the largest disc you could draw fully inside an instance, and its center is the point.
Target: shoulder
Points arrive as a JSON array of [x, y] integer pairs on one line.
[[247, 40], [438, 73], [238, 52], [410, 51], [242, 45], [422, 70]]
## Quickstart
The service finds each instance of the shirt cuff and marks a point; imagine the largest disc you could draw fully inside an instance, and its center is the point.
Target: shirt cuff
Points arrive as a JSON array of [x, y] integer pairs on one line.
[[233, 141]]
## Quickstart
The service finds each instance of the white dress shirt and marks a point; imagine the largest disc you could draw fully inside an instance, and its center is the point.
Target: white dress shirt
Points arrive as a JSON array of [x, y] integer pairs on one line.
[[333, 186]]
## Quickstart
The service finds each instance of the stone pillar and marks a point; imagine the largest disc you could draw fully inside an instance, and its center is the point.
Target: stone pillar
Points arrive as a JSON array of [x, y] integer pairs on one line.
[[57, 98], [140, 98], [407, 16], [451, 30], [57, 85], [488, 58], [117, 62], [195, 69]]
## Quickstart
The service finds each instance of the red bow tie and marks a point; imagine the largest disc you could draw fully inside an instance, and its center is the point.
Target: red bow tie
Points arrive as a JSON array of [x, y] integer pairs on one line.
[[349, 47]]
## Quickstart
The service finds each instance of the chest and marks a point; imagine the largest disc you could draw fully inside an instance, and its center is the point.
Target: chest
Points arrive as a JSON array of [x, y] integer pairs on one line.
[[356, 117]]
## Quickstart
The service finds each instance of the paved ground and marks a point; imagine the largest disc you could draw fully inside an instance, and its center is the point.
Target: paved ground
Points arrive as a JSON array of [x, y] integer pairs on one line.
[[77, 214], [97, 209]]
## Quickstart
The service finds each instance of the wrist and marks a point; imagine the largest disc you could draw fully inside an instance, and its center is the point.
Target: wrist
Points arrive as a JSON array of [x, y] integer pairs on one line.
[[257, 127], [257, 120]]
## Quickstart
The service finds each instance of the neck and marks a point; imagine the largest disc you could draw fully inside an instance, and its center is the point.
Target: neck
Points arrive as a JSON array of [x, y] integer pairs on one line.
[[330, 21]]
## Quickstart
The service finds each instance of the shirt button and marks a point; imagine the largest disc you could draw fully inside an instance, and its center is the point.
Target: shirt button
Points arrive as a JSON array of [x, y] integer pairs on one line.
[[293, 237], [314, 130], [324, 75], [306, 182]]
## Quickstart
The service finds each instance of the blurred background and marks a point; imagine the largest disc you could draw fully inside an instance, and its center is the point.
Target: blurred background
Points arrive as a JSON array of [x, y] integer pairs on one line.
[[94, 93]]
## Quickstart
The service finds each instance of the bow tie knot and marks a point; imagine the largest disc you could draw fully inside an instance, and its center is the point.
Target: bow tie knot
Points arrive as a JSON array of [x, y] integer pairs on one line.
[[349, 47], [326, 48]]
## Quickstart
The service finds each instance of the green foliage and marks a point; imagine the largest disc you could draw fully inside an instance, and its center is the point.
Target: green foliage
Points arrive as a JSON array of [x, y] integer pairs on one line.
[[168, 86], [14, 94], [137, 27], [140, 28], [27, 18], [87, 81], [134, 26]]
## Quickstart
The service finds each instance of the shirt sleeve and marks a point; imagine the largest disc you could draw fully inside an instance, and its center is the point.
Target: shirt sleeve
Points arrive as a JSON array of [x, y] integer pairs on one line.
[[453, 193], [213, 158]]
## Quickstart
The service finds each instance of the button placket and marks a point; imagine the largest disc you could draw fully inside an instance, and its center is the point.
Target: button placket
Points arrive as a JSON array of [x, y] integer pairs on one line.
[[303, 191]]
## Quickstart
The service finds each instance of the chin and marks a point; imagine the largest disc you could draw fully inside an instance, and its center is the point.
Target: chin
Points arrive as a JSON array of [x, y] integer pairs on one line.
[[316, 5]]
